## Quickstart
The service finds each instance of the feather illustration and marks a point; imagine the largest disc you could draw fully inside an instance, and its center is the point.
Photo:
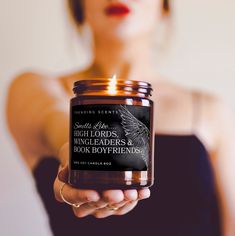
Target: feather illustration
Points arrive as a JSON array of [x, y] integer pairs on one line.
[[136, 131]]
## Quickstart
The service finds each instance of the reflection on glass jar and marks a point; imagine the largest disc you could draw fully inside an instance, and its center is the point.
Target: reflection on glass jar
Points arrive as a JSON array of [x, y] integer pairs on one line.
[[111, 134]]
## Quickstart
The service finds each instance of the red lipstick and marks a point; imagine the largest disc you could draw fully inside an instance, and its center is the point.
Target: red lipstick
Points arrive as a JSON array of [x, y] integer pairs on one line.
[[117, 9]]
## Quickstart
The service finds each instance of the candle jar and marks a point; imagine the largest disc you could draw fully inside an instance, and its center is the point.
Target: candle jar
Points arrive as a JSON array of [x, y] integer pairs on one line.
[[111, 134]]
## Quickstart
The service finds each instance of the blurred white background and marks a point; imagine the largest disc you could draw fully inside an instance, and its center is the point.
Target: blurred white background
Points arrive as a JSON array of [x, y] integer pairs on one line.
[[36, 35]]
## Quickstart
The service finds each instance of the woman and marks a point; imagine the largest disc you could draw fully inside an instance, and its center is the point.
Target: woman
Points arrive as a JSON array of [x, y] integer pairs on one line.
[[193, 193]]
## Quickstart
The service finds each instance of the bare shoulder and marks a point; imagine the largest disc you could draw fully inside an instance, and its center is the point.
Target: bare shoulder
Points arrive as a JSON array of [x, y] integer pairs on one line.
[[31, 92], [29, 83], [22, 83], [186, 110], [218, 112], [215, 109], [27, 78], [20, 87], [173, 105], [44, 83], [170, 89], [216, 119]]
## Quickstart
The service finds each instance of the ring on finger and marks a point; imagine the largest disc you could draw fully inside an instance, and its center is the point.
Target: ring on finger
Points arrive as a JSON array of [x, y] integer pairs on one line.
[[93, 205], [111, 208], [76, 205]]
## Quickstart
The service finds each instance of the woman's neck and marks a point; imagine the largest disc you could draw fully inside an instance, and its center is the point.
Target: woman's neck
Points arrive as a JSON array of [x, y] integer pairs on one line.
[[128, 60]]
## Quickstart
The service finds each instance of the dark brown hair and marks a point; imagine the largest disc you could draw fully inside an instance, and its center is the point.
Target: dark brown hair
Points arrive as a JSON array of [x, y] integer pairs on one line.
[[76, 10]]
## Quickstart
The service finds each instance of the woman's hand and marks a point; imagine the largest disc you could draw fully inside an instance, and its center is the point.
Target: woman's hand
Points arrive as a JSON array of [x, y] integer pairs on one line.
[[90, 201]]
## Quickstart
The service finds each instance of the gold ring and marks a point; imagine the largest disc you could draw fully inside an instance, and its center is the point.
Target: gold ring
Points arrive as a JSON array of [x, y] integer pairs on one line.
[[111, 208], [76, 205]]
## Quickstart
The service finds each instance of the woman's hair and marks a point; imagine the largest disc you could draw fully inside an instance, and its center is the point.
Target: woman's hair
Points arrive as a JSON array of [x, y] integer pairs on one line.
[[76, 10], [166, 7]]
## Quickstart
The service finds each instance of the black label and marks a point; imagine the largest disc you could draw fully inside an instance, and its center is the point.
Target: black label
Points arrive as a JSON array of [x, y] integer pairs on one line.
[[110, 137]]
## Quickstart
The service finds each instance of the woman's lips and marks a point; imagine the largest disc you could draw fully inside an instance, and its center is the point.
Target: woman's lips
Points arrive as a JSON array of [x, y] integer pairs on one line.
[[117, 9]]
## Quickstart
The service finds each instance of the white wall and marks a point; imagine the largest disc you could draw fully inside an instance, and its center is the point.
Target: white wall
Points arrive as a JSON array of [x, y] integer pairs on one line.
[[36, 35], [203, 53]]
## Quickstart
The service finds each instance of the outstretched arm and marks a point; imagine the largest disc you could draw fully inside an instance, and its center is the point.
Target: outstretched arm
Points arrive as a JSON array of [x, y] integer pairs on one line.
[[38, 118], [37, 115], [223, 161]]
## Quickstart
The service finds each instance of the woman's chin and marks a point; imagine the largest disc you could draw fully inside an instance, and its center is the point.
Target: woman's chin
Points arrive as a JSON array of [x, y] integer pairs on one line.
[[122, 35]]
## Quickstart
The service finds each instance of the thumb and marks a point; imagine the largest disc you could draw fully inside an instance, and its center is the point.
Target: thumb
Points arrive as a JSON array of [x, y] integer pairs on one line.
[[63, 171], [63, 174]]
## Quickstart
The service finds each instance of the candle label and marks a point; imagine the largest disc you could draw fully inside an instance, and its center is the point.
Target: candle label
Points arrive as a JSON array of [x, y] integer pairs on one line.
[[110, 137]]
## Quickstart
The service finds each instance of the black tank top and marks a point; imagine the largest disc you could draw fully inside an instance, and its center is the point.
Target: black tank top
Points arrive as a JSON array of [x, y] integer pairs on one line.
[[183, 199]]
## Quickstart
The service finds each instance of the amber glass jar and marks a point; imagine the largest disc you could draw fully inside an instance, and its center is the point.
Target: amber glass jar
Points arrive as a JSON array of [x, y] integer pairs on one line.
[[111, 134]]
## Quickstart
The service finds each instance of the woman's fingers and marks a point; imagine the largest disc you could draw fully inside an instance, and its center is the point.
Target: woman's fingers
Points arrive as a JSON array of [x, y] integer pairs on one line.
[[103, 207], [63, 171], [97, 205], [91, 203], [129, 201], [126, 208], [89, 208], [100, 207], [108, 210], [63, 174], [64, 155], [123, 208], [74, 195], [113, 196], [130, 194], [143, 193]]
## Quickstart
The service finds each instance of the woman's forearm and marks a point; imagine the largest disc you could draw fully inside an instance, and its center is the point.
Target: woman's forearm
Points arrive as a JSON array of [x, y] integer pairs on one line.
[[37, 115]]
